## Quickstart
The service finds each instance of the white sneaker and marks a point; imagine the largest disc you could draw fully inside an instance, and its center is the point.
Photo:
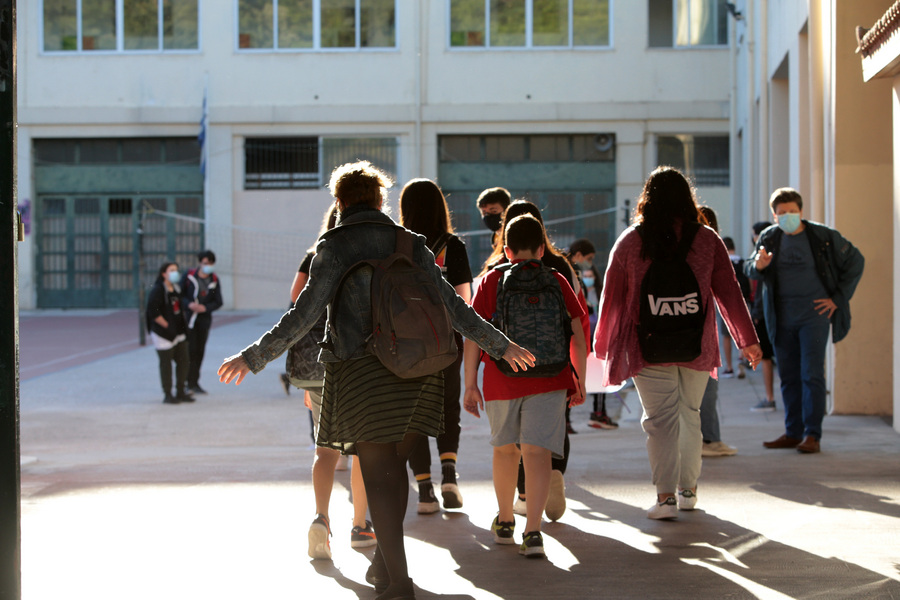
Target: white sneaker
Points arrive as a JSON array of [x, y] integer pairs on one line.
[[556, 499], [687, 499], [667, 509], [519, 507], [717, 449], [319, 546]]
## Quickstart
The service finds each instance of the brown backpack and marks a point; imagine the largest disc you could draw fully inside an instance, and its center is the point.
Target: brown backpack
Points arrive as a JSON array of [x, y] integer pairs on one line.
[[411, 331]]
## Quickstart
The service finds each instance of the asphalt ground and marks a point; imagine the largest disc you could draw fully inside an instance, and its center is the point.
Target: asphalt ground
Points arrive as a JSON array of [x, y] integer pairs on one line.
[[124, 497]]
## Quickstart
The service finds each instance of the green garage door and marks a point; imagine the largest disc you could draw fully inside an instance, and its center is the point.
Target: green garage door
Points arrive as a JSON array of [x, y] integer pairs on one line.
[[99, 235]]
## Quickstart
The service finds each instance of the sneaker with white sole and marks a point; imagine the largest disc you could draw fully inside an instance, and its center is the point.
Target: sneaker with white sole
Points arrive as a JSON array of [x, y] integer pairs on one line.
[[667, 509], [363, 537], [717, 449], [556, 499], [687, 499], [319, 532], [520, 508], [601, 421], [428, 502], [503, 532], [532, 545], [451, 495]]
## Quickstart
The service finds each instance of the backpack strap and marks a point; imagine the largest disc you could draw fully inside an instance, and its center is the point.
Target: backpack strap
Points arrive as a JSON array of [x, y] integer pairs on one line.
[[440, 243], [688, 233]]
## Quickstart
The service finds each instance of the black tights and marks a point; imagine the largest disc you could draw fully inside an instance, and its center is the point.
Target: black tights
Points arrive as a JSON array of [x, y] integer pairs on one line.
[[387, 488]]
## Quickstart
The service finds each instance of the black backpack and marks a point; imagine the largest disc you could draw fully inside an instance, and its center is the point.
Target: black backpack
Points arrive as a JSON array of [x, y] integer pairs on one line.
[[531, 311], [672, 314]]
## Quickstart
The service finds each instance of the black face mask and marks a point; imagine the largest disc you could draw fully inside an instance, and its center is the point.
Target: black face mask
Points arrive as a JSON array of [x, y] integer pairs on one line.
[[492, 221]]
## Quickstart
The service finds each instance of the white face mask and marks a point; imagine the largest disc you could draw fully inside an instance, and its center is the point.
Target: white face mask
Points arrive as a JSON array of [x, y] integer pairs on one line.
[[174, 276], [207, 269]]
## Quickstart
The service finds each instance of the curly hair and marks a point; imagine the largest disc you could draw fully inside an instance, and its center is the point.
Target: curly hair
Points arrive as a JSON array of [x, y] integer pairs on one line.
[[359, 183]]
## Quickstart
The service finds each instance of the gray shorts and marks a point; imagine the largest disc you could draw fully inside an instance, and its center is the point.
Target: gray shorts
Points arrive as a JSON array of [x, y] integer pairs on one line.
[[539, 420]]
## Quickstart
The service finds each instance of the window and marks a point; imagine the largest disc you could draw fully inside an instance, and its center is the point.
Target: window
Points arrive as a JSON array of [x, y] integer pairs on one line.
[[316, 24], [120, 25], [705, 159], [117, 151], [529, 23], [687, 23], [547, 148], [307, 162]]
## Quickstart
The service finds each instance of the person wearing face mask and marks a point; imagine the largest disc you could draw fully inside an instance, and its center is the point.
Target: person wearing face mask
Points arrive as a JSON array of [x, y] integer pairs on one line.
[[202, 295], [492, 203], [168, 331], [808, 273]]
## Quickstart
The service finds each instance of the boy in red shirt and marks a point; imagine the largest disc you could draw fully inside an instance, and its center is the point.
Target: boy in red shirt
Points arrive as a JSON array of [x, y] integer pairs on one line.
[[527, 414]]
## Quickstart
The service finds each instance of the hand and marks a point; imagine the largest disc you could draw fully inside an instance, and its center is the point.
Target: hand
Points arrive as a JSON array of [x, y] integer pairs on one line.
[[825, 306], [233, 367], [578, 397], [472, 401], [753, 354], [518, 357], [197, 307], [763, 259], [307, 401]]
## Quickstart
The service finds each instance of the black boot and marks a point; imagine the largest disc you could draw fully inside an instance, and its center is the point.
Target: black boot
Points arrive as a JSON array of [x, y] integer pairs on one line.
[[168, 399], [402, 590]]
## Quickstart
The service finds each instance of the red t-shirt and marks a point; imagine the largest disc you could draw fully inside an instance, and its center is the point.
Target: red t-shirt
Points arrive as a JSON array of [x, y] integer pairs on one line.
[[498, 386]]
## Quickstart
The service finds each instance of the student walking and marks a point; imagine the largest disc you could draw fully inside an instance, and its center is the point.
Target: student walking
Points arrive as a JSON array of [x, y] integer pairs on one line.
[[526, 414], [304, 371], [423, 210], [367, 409], [640, 335], [555, 259]]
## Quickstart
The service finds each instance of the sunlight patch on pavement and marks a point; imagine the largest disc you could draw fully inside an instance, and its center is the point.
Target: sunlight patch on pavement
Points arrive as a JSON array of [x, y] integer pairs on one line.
[[602, 526]]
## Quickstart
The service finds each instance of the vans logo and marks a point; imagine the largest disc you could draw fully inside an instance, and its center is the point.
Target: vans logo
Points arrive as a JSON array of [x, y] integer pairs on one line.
[[685, 305]]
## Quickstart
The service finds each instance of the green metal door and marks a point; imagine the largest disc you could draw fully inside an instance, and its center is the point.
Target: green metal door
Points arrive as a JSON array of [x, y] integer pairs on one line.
[[89, 252]]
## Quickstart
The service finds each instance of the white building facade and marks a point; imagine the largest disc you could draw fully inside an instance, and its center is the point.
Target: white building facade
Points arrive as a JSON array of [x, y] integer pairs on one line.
[[570, 103]]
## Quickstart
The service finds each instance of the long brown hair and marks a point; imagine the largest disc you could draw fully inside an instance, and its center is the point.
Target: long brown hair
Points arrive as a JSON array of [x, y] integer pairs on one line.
[[667, 198], [423, 209], [516, 209]]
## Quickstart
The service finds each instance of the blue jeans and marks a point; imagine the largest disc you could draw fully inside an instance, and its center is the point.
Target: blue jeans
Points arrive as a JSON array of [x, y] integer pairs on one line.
[[800, 355]]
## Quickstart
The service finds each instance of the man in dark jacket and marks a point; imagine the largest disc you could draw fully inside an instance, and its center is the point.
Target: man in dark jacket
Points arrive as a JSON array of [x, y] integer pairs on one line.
[[202, 295], [809, 273]]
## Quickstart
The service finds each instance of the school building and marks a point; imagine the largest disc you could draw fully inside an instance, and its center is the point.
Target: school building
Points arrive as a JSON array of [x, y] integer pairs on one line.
[[569, 103]]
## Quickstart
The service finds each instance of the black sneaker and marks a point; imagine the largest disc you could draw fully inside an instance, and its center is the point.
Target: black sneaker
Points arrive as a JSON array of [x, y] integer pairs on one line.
[[503, 532], [362, 537], [196, 389], [169, 399], [184, 397], [428, 502], [532, 545]]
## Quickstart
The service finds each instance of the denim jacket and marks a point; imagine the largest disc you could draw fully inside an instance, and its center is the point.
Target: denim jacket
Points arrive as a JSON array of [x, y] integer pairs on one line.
[[839, 265], [349, 312]]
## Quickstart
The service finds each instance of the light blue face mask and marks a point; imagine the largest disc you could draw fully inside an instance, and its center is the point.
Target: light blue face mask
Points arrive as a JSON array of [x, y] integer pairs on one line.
[[588, 281], [207, 269], [788, 222], [174, 276]]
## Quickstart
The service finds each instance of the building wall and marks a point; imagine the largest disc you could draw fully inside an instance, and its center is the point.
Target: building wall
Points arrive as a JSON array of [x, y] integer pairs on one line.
[[807, 120], [416, 92]]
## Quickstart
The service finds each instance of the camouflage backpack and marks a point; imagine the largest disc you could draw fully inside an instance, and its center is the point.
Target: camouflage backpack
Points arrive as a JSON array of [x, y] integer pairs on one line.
[[531, 311]]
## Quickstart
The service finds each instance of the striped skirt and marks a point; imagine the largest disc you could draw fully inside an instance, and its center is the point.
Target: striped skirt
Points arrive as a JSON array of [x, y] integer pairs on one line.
[[364, 402]]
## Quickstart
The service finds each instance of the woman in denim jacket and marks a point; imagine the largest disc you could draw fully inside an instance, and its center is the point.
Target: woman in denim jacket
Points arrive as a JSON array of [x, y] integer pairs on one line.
[[366, 409]]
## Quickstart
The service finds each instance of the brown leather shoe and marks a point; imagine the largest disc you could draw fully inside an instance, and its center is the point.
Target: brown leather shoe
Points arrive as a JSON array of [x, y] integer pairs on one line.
[[809, 445], [783, 442]]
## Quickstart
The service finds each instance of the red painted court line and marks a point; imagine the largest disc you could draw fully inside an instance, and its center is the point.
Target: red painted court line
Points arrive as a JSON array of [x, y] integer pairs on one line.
[[57, 341]]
